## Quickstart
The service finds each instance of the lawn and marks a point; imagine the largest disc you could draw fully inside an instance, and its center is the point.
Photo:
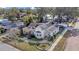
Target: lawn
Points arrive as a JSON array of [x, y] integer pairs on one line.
[[27, 46], [24, 46]]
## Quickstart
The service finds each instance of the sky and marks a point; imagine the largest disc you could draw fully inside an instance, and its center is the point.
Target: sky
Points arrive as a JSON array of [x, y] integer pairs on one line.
[[13, 3], [38, 3]]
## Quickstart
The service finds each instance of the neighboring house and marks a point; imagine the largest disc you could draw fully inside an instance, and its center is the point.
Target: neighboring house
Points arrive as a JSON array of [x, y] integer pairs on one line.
[[4, 22], [8, 24], [55, 17], [63, 24], [32, 27], [53, 30], [46, 29], [20, 15], [47, 17]]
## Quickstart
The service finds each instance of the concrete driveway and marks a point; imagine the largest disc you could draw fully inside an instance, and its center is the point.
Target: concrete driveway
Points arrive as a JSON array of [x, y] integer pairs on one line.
[[6, 47]]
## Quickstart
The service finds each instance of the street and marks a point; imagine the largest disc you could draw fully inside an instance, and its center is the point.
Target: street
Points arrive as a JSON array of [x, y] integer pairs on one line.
[[72, 42], [6, 47]]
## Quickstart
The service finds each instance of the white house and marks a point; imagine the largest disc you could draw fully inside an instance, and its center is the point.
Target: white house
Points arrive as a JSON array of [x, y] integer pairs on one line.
[[45, 30], [55, 17], [53, 30], [39, 32], [47, 17]]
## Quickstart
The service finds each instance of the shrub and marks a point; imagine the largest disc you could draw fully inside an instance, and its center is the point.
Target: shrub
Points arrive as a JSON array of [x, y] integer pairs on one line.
[[21, 40], [32, 43]]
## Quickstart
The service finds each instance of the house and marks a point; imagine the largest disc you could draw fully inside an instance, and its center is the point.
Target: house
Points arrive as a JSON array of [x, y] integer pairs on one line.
[[33, 25], [31, 28], [21, 15], [47, 17], [63, 24], [55, 17], [46, 29], [8, 24], [53, 30], [5, 22]]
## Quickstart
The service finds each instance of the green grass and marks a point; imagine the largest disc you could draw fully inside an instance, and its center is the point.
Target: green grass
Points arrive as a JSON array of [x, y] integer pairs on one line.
[[35, 39], [21, 40]]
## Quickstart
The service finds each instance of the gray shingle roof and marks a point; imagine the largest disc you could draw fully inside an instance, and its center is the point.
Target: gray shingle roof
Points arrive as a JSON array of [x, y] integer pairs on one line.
[[45, 26]]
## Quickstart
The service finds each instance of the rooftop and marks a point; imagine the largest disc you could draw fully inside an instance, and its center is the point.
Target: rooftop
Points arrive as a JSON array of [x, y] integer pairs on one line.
[[44, 26]]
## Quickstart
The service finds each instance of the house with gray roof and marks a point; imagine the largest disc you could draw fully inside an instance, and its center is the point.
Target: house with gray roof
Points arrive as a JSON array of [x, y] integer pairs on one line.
[[46, 29]]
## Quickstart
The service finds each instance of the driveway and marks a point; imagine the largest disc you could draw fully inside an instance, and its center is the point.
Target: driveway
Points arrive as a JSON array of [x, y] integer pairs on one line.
[[6, 47]]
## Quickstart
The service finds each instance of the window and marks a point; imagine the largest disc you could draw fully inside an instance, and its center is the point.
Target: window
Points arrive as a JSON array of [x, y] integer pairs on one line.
[[38, 31], [40, 34], [37, 34]]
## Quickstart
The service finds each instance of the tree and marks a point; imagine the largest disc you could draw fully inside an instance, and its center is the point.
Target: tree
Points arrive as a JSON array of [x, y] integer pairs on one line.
[[1, 11], [30, 17], [42, 11], [27, 19], [29, 12], [66, 11], [12, 14]]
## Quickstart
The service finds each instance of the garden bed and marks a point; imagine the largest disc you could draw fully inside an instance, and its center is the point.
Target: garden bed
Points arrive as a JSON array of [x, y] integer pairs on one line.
[[42, 47]]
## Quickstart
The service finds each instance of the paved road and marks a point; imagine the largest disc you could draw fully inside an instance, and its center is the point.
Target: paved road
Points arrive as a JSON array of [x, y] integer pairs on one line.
[[6, 47], [72, 43]]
